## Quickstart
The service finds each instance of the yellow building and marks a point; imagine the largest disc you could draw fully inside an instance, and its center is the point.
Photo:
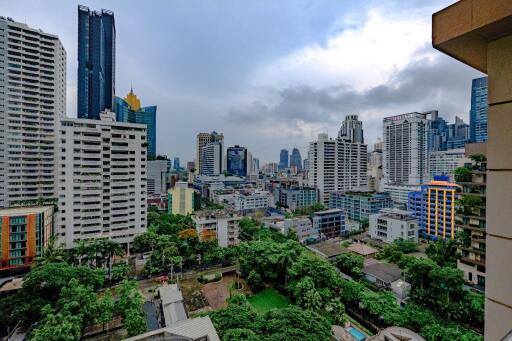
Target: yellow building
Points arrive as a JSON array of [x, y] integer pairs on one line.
[[181, 199]]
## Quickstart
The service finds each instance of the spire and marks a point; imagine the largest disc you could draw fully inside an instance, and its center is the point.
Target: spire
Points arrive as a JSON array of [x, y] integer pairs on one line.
[[132, 99]]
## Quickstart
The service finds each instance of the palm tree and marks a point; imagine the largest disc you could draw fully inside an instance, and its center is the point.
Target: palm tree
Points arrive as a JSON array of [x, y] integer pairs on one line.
[[286, 257], [52, 253], [109, 249]]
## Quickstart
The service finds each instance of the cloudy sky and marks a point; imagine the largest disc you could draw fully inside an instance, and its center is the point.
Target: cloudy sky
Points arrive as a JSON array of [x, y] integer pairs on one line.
[[269, 74]]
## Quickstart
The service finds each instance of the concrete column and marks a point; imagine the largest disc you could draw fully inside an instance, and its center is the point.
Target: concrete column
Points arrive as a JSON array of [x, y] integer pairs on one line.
[[498, 306]]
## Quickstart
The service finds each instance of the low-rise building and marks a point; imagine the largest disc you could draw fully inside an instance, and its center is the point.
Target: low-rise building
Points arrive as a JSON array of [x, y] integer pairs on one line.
[[445, 162], [399, 193], [296, 197], [329, 223], [181, 199], [250, 201], [24, 233], [381, 274], [359, 205], [302, 226], [392, 224], [221, 224], [158, 171]]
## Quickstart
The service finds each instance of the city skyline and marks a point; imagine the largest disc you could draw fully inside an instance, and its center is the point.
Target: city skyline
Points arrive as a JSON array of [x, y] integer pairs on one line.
[[286, 91]]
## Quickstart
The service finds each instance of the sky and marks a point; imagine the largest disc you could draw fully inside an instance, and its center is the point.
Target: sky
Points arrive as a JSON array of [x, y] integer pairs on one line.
[[268, 74]]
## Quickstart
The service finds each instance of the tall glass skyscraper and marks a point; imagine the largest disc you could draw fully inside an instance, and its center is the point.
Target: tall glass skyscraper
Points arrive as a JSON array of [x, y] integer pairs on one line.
[[296, 160], [283, 159], [96, 62], [478, 113], [129, 110]]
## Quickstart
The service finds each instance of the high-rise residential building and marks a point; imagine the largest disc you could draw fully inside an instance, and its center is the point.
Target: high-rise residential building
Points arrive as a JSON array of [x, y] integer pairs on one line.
[[237, 161], [129, 110], [296, 160], [445, 163], [390, 224], [283, 159], [434, 207], [181, 199], [359, 205], [255, 165], [211, 158], [470, 218], [32, 100], [270, 168], [478, 112], [437, 132], [176, 163], [96, 62], [102, 180], [399, 193], [375, 172], [351, 129], [158, 171], [24, 233], [337, 165], [202, 140], [405, 152]]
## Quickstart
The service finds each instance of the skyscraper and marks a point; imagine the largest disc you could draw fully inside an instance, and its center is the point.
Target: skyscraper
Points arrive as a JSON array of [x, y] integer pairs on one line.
[[237, 161], [405, 153], [176, 163], [296, 160], [211, 158], [96, 62], [478, 112], [458, 134], [129, 110], [351, 129], [283, 159], [32, 100], [202, 140], [437, 133]]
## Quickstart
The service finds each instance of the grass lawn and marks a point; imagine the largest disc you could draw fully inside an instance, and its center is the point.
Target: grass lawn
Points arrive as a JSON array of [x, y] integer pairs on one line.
[[268, 299]]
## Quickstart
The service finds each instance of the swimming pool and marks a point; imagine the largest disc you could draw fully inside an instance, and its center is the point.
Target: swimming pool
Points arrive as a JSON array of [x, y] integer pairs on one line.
[[356, 333]]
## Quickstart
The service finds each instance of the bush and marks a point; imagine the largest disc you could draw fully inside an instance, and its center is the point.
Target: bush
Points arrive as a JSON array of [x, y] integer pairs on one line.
[[254, 281]]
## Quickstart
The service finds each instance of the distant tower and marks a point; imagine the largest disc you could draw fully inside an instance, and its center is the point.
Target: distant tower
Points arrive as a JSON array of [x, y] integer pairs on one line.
[[478, 112], [296, 160], [202, 140], [351, 130], [283, 159], [96, 62], [176, 164]]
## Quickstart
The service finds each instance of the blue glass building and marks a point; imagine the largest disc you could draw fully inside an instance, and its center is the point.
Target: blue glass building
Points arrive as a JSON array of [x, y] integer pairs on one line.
[[283, 159], [96, 62], [296, 160], [129, 110], [237, 161], [478, 112]]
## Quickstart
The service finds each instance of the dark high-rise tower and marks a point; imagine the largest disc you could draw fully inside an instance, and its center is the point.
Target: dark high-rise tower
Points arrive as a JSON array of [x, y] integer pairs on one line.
[[96, 62], [283, 159], [478, 113], [296, 160]]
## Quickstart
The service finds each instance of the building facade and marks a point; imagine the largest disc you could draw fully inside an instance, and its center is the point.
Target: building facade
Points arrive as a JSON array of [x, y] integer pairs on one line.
[[405, 149], [399, 193], [221, 224], [96, 62], [32, 100], [359, 205], [434, 207], [102, 180], [296, 196], [24, 233], [129, 110], [181, 199], [283, 159], [237, 163], [445, 162], [329, 223], [250, 201], [296, 160], [158, 172], [375, 172], [351, 129], [392, 224], [202, 139], [478, 112], [470, 218], [211, 159]]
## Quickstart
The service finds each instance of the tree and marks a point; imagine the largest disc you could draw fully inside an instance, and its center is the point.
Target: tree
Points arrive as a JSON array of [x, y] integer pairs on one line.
[[350, 263], [134, 321], [234, 317], [337, 310], [254, 281], [120, 271], [58, 326], [406, 246], [462, 174], [443, 251], [239, 334], [129, 306], [105, 309], [52, 253]]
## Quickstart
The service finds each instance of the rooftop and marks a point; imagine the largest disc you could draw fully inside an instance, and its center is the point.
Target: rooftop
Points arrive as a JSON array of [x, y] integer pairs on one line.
[[362, 249], [384, 271], [328, 249], [23, 210], [199, 328], [172, 304]]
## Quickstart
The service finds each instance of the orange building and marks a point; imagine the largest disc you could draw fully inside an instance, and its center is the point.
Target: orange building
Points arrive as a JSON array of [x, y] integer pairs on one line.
[[23, 234]]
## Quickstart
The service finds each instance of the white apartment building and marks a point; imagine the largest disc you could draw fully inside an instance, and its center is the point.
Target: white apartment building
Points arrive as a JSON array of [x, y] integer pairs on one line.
[[405, 149], [222, 224], [392, 224], [248, 201], [202, 140], [445, 162], [101, 180], [399, 193], [32, 99], [211, 159], [375, 171], [157, 176], [336, 165]]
